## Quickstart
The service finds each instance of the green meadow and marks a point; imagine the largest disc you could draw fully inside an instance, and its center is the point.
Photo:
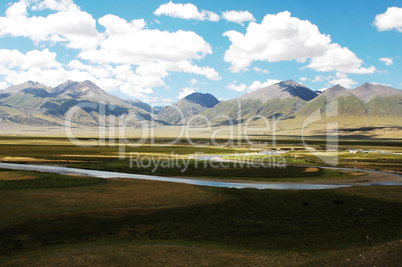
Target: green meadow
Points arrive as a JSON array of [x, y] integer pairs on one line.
[[50, 219]]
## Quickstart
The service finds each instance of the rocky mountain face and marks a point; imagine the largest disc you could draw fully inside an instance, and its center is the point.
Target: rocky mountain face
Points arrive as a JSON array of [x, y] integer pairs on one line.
[[190, 105], [34, 104], [280, 99], [365, 100], [281, 90]]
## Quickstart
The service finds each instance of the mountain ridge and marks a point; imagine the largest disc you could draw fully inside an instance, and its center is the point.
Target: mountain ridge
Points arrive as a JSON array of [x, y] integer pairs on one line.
[[190, 105], [32, 103]]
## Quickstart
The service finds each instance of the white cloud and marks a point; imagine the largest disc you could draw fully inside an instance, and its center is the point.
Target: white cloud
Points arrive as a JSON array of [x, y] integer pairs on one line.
[[155, 53], [185, 11], [303, 79], [254, 86], [318, 78], [391, 19], [69, 25], [186, 91], [130, 43], [32, 59], [58, 5], [194, 81], [281, 37], [345, 82], [237, 87], [337, 58], [257, 84], [259, 70], [385, 84], [387, 60], [41, 66], [125, 56], [340, 75], [3, 85], [339, 78], [238, 16]]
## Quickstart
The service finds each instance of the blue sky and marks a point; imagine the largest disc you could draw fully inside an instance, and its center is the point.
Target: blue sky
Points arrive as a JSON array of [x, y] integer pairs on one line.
[[159, 51]]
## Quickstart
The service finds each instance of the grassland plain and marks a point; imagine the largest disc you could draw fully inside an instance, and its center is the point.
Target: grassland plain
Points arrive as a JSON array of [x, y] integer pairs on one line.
[[51, 219], [122, 221], [106, 157]]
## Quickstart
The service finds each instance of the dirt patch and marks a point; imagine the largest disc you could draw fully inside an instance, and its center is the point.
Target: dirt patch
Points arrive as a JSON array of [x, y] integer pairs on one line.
[[311, 169], [34, 160], [14, 176], [358, 173]]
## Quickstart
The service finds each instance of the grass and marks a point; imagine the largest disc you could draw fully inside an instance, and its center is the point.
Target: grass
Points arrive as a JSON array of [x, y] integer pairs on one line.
[[48, 219], [27, 200], [44, 180], [113, 217], [60, 151]]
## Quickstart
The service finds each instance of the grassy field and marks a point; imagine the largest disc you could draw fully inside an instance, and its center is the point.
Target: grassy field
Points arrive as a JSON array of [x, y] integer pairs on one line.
[[49, 219], [145, 222], [149, 159]]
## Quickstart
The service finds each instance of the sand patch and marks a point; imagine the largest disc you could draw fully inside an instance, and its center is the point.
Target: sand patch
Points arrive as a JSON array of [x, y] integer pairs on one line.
[[35, 160], [14, 176], [311, 169]]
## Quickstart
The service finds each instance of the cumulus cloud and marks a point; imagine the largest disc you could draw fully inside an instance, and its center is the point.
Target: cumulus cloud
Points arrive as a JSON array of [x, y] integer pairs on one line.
[[69, 25], [13, 61], [237, 87], [155, 53], [186, 91], [303, 79], [125, 56], [281, 37], [32, 59], [238, 16], [257, 84], [387, 61], [194, 81], [345, 82], [385, 84], [185, 11], [337, 58], [318, 78], [253, 86], [341, 79], [259, 70], [131, 43], [391, 19], [3, 85]]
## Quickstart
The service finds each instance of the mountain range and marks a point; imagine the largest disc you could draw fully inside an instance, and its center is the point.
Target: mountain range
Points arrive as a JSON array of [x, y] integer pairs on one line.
[[34, 104]]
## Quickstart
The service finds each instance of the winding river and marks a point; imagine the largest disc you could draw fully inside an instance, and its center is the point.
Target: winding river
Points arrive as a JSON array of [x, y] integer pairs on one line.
[[109, 174]]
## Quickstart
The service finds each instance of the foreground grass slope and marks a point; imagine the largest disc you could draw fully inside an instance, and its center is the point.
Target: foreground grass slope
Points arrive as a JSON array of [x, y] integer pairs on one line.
[[142, 219]]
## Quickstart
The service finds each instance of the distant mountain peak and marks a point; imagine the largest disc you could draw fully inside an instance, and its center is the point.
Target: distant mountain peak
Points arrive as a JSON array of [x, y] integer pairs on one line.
[[282, 90], [291, 83], [205, 100], [190, 105], [337, 88]]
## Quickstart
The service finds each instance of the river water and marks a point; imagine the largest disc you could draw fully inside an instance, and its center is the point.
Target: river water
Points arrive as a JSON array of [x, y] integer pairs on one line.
[[108, 175]]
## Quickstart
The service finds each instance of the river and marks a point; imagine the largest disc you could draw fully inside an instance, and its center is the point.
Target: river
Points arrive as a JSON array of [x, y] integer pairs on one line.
[[109, 174]]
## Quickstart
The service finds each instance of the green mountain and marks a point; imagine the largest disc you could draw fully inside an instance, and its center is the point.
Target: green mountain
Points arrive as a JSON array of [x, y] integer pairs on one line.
[[281, 99], [34, 104], [189, 106], [365, 100]]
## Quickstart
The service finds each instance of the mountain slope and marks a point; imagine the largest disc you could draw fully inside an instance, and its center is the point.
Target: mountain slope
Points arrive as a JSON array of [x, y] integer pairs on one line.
[[190, 105], [34, 104], [367, 92], [367, 99], [281, 90], [280, 99]]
